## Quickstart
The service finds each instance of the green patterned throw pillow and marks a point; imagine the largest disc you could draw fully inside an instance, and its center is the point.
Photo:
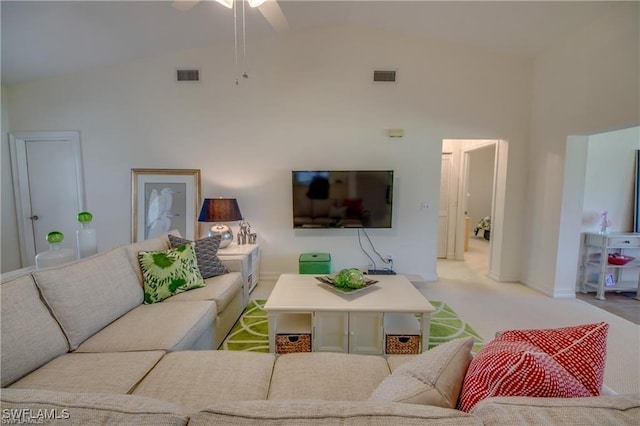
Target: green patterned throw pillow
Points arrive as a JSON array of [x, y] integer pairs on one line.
[[169, 272]]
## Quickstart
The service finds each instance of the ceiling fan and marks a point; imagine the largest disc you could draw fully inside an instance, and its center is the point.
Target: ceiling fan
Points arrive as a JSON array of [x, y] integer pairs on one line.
[[270, 9]]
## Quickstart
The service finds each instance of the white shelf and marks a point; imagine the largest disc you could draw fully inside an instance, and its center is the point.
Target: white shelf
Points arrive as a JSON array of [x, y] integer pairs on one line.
[[595, 249], [619, 286], [250, 254], [401, 324], [294, 324]]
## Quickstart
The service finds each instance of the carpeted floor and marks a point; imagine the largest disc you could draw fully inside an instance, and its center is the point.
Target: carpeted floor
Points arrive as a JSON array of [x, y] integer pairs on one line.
[[250, 333], [494, 306]]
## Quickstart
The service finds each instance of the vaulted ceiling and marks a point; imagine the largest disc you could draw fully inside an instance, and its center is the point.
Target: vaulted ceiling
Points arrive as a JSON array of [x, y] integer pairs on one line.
[[47, 38]]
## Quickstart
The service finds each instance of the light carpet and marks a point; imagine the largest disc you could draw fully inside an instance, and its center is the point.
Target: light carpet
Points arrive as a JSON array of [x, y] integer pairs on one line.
[[493, 306], [250, 333]]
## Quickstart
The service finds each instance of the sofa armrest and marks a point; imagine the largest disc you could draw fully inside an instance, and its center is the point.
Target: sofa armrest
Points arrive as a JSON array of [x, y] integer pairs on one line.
[[89, 408], [609, 409], [236, 264], [322, 412]]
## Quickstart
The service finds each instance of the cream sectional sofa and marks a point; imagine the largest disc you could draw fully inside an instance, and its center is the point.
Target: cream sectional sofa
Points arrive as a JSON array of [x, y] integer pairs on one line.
[[79, 347], [93, 309]]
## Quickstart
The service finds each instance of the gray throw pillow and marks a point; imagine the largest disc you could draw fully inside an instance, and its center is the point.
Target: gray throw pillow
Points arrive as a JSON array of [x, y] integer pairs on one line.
[[206, 255]]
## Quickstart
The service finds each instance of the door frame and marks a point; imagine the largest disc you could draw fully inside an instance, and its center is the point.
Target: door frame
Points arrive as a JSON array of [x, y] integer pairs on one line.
[[21, 192], [448, 238], [497, 202]]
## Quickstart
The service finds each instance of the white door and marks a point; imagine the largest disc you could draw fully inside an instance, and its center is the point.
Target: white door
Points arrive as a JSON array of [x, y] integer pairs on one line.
[[366, 333], [443, 214], [330, 332], [48, 186]]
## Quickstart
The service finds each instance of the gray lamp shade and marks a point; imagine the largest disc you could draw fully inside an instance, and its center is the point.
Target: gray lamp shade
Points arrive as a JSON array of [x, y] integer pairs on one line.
[[220, 210]]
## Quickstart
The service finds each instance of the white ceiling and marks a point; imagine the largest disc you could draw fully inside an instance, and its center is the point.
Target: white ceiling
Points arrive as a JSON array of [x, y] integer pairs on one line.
[[46, 38]]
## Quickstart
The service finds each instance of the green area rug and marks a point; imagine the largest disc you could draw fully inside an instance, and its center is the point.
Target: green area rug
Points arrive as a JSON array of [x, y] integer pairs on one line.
[[250, 332]]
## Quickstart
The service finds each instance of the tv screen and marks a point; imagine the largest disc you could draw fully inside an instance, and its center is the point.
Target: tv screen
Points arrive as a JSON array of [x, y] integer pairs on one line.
[[342, 199]]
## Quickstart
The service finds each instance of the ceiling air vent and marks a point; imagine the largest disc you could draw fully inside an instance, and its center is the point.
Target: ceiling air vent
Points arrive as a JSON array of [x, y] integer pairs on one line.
[[384, 76], [189, 75]]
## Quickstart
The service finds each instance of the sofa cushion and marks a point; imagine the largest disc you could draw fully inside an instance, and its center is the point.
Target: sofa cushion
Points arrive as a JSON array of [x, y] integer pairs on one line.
[[206, 254], [601, 410], [160, 326], [326, 375], [568, 363], [87, 295], [222, 289], [328, 413], [117, 372], [169, 272], [395, 361], [197, 379], [30, 335], [154, 244], [432, 378], [92, 408]]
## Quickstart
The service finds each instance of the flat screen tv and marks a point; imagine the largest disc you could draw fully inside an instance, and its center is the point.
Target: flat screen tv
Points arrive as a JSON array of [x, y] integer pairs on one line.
[[342, 198]]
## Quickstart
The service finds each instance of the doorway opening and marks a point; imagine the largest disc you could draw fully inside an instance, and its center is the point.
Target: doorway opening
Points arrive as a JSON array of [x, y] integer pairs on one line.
[[48, 188], [472, 202]]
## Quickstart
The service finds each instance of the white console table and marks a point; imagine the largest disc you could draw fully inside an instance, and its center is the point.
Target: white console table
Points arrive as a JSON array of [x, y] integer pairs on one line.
[[594, 268], [252, 265]]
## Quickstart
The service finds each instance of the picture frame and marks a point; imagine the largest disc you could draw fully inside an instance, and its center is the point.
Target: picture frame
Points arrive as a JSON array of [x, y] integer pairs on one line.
[[163, 200], [609, 281]]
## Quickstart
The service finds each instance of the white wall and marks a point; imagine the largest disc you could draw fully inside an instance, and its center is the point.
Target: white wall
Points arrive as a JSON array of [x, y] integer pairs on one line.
[[591, 188], [584, 85], [481, 167], [309, 104], [9, 231], [610, 180]]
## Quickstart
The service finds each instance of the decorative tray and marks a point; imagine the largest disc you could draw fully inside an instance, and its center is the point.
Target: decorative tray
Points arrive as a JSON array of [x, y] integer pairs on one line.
[[619, 259], [328, 283]]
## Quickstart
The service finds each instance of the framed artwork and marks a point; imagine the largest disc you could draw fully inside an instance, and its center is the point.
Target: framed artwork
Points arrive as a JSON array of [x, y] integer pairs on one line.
[[609, 281], [163, 200]]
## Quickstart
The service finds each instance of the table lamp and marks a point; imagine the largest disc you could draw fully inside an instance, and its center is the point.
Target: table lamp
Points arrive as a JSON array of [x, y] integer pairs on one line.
[[219, 210]]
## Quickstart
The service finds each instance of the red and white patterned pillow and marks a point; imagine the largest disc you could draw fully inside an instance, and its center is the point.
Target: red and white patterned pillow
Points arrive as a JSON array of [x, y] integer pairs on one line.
[[564, 362]]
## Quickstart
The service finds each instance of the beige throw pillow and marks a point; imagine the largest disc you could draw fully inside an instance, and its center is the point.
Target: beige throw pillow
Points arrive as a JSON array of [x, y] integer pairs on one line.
[[432, 378]]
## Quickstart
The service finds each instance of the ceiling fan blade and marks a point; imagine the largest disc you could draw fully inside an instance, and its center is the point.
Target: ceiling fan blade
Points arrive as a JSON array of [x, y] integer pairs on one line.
[[184, 5], [272, 12]]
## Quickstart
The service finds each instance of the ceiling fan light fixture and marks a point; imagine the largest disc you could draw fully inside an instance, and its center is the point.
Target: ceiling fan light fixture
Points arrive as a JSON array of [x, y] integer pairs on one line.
[[256, 3], [226, 3]]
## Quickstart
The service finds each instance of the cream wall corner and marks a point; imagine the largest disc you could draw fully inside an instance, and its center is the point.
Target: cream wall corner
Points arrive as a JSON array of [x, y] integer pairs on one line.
[[9, 232], [587, 84]]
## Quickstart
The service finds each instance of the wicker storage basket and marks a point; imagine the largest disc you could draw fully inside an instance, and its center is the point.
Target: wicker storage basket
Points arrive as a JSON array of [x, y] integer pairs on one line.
[[397, 344], [288, 343]]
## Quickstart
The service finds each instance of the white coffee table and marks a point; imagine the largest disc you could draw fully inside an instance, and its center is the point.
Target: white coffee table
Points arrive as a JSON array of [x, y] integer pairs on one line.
[[355, 323]]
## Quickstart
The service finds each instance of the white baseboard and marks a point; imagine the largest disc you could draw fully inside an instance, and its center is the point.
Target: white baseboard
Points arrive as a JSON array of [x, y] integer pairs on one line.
[[565, 294]]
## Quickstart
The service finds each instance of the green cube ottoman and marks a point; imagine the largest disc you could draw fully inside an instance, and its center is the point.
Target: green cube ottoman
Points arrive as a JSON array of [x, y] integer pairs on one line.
[[314, 263]]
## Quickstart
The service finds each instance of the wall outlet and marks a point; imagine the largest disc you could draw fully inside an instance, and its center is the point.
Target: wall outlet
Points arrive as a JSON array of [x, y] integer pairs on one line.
[[389, 258]]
